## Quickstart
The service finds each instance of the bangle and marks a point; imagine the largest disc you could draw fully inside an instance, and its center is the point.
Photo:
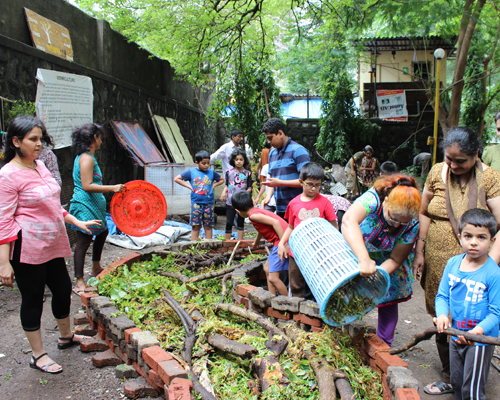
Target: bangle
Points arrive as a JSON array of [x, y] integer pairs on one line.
[[423, 240]]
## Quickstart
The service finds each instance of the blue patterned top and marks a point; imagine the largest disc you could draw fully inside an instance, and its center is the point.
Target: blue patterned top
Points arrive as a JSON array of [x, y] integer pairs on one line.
[[379, 242], [87, 206]]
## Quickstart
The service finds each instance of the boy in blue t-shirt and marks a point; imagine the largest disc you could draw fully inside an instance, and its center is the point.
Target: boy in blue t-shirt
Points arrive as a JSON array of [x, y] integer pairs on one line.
[[470, 291], [200, 181]]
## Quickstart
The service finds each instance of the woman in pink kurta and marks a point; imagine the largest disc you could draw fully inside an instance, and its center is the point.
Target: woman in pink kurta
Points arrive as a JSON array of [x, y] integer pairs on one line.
[[33, 240]]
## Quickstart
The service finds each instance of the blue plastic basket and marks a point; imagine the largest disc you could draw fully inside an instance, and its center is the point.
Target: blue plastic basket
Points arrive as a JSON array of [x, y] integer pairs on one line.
[[328, 263]]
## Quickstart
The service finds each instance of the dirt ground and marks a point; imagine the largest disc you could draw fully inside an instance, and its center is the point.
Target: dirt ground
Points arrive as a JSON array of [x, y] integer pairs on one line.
[[81, 381]]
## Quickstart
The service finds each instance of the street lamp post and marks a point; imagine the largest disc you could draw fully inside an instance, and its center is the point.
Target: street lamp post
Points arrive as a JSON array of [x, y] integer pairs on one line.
[[438, 54]]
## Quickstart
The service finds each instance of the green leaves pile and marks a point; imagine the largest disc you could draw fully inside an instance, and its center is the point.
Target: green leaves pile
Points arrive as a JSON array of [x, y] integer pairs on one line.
[[137, 292]]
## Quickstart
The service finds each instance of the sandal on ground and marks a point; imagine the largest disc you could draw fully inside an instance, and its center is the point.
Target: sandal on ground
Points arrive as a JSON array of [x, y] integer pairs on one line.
[[78, 292], [442, 387], [69, 342], [44, 368]]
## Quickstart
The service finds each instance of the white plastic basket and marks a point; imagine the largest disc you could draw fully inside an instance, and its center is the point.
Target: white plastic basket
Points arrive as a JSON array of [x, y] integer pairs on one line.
[[328, 263]]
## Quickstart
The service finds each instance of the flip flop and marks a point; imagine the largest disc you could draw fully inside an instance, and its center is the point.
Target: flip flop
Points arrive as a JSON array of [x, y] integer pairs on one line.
[[443, 388], [78, 292], [92, 275], [44, 368]]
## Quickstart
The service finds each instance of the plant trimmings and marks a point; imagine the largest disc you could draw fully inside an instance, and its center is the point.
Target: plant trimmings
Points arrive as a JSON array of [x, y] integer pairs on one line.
[[346, 301]]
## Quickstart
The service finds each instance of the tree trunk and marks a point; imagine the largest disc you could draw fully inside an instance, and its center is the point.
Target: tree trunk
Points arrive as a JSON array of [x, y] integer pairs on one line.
[[461, 62]]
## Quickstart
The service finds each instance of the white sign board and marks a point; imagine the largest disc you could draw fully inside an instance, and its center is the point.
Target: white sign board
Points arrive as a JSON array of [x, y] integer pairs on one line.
[[392, 105], [63, 102]]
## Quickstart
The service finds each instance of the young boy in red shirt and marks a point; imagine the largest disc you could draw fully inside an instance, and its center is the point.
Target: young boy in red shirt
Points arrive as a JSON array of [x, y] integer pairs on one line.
[[270, 227], [307, 205]]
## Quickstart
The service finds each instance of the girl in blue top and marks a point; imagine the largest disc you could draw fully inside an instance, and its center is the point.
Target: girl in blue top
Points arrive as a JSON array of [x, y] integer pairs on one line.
[[88, 201]]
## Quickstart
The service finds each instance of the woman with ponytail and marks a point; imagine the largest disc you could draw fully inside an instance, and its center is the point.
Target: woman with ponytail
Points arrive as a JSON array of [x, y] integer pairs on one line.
[[381, 228]]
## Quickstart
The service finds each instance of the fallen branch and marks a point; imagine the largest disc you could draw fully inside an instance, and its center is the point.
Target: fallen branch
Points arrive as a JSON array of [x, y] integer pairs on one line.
[[183, 278], [232, 254], [224, 286], [231, 346], [428, 333], [213, 274], [278, 346], [187, 350]]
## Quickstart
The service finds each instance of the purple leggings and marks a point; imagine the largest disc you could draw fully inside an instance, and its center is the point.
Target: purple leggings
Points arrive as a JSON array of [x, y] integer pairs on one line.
[[387, 321]]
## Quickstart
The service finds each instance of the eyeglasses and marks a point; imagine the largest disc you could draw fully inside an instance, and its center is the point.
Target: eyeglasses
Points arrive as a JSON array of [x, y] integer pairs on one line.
[[312, 185], [395, 221]]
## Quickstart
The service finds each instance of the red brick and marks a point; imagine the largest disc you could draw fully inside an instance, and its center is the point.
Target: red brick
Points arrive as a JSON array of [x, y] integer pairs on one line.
[[253, 307], [122, 355], [317, 330], [231, 243], [85, 298], [296, 317], [243, 290], [168, 370], [385, 360], [271, 312], [155, 380], [245, 301], [374, 366], [374, 344], [154, 355], [128, 259], [178, 392], [364, 355], [101, 330], [181, 381], [92, 323], [91, 289], [106, 359], [128, 332], [80, 319], [317, 322], [93, 344], [110, 343], [407, 394], [85, 330], [138, 388], [139, 369], [386, 391]]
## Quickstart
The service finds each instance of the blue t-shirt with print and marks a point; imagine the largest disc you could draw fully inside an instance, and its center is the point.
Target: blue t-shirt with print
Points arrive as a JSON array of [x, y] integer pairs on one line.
[[472, 297], [202, 183]]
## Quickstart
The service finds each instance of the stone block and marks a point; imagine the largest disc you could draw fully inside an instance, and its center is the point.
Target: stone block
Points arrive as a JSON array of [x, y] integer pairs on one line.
[[118, 325], [374, 345], [286, 303], [104, 315], [169, 370], [85, 330], [99, 302], [128, 332], [124, 371], [138, 388], [106, 359], [93, 344], [154, 355], [80, 319], [252, 268], [123, 356], [142, 340], [85, 297], [129, 350], [401, 377], [260, 297], [237, 277], [385, 360], [310, 308], [407, 394]]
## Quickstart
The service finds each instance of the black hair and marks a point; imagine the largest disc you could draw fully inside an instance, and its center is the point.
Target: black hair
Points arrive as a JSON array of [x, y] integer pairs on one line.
[[239, 152], [368, 148], [478, 218], [274, 125], [312, 170], [236, 132], [465, 138], [83, 137], [242, 201], [497, 116], [19, 128], [267, 145], [201, 155], [388, 168]]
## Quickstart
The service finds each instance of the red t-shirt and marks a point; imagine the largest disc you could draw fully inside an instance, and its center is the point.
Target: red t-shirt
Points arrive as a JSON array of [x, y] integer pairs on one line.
[[267, 231], [298, 210]]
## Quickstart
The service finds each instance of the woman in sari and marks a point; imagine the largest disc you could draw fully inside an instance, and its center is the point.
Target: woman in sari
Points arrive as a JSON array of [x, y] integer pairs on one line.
[[460, 183]]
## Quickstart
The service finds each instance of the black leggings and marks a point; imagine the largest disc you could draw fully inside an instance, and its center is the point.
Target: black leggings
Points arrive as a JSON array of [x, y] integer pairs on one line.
[[31, 280], [82, 245], [230, 214]]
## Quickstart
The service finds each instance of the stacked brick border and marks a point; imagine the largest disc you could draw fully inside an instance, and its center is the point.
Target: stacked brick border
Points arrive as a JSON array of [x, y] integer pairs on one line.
[[166, 375]]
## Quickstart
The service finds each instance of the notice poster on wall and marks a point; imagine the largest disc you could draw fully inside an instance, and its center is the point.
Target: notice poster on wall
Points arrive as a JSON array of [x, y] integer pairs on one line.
[[63, 102], [392, 105]]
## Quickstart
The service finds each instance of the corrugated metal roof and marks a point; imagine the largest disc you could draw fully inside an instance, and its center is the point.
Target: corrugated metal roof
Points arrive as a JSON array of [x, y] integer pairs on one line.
[[404, 43]]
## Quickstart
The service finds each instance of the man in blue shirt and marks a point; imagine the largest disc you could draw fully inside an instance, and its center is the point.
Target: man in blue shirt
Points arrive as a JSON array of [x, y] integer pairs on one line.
[[286, 160]]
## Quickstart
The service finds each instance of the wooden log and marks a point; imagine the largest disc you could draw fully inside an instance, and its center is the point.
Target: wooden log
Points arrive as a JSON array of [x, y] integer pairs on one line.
[[428, 333], [183, 278], [231, 346], [269, 372], [214, 274], [326, 383], [345, 390]]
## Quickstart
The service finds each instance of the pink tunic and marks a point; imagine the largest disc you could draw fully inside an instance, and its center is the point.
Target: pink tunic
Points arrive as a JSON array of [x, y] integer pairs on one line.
[[30, 202]]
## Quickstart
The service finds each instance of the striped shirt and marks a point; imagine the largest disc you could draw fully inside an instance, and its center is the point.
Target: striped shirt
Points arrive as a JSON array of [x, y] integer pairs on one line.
[[285, 164]]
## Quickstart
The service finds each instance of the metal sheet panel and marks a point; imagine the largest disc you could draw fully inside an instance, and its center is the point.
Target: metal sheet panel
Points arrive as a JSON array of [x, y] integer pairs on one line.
[[133, 138], [162, 176]]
